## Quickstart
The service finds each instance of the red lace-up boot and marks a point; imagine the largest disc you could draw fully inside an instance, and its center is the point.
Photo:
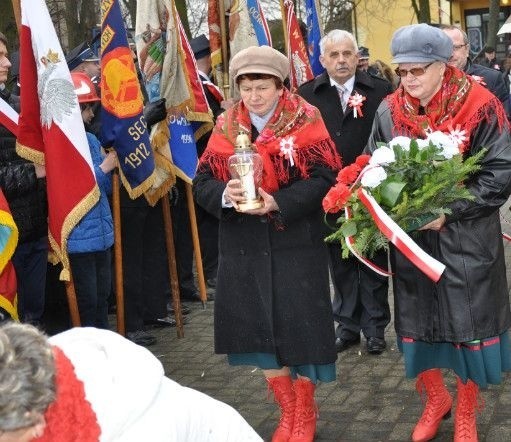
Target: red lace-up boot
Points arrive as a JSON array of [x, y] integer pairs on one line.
[[282, 387], [465, 429], [305, 412], [438, 404]]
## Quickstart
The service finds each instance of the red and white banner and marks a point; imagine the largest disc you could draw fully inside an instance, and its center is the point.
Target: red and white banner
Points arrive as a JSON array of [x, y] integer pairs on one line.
[[8, 117], [432, 268], [51, 130]]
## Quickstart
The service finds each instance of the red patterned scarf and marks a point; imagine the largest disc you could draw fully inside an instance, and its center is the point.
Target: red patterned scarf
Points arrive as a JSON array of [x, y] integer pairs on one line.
[[461, 103], [70, 418], [295, 128]]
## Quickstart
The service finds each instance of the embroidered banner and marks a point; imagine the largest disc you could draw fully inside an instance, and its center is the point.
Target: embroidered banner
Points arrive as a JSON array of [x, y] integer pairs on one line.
[[300, 69], [123, 126]]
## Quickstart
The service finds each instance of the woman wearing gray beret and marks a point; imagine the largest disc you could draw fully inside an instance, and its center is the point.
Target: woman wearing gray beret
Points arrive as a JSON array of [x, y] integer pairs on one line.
[[461, 322]]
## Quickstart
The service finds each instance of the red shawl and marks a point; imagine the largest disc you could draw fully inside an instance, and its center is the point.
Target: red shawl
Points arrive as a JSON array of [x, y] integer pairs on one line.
[[461, 103], [70, 418], [294, 121]]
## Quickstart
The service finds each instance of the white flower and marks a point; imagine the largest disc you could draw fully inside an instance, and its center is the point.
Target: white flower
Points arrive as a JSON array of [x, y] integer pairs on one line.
[[373, 176], [403, 142], [422, 143], [448, 145], [382, 155]]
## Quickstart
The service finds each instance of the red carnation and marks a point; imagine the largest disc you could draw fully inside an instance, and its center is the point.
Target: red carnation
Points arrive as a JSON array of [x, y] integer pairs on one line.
[[336, 198], [362, 160], [349, 174]]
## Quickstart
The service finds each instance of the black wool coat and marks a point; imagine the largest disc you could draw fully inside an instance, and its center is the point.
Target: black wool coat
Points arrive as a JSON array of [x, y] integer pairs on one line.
[[272, 293], [348, 133]]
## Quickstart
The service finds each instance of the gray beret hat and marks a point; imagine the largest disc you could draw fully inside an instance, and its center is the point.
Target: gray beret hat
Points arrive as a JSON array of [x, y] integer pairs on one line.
[[420, 43], [259, 60]]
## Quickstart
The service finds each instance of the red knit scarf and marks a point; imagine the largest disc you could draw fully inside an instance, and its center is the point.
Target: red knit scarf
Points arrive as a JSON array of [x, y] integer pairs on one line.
[[294, 119], [70, 418], [460, 103]]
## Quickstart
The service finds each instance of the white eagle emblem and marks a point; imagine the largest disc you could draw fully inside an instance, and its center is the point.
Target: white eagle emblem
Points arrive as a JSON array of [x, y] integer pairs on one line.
[[56, 95]]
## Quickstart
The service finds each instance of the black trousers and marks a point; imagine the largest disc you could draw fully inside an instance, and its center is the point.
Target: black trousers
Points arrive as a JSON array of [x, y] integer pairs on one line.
[[360, 295], [145, 268]]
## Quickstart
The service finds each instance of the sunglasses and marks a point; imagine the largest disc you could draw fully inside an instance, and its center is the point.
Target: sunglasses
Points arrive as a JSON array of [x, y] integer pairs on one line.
[[416, 72]]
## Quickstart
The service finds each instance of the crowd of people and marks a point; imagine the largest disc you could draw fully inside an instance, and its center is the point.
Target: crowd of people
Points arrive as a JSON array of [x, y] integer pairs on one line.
[[269, 265]]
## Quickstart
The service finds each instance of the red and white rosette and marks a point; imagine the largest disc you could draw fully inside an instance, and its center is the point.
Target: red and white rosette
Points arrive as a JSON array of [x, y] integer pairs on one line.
[[355, 101], [432, 268]]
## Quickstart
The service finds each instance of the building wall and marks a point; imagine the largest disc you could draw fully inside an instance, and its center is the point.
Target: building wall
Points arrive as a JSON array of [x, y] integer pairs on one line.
[[374, 22]]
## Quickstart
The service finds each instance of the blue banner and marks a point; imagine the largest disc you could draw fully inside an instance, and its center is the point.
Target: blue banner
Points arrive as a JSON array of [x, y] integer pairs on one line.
[[123, 126], [183, 146], [313, 37], [259, 23]]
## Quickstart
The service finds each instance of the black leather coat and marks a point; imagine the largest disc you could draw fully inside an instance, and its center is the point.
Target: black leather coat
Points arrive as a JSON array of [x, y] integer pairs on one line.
[[471, 299]]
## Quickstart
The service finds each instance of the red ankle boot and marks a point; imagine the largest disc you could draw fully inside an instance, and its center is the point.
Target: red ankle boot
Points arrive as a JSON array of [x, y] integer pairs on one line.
[[465, 429], [305, 413], [438, 405], [282, 387]]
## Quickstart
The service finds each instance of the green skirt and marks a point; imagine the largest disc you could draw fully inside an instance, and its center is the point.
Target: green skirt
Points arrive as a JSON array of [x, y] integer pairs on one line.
[[268, 361], [482, 361]]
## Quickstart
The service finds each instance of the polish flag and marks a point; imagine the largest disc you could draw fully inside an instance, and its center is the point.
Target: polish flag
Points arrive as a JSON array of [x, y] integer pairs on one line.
[[51, 130]]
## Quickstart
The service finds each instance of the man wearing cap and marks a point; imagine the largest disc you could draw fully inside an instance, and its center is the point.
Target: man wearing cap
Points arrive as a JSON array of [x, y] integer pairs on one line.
[[363, 58], [24, 187], [83, 59], [361, 296], [490, 59], [491, 78], [461, 321]]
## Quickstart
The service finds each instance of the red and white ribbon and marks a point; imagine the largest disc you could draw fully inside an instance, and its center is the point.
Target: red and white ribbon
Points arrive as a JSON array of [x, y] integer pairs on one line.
[[350, 241], [432, 268], [355, 101], [8, 117]]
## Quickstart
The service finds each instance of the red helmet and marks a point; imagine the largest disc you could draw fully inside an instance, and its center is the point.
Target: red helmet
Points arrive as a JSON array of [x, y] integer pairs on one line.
[[84, 88]]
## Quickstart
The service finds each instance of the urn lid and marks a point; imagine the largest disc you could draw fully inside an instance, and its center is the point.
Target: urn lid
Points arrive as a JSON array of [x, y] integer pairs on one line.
[[243, 143]]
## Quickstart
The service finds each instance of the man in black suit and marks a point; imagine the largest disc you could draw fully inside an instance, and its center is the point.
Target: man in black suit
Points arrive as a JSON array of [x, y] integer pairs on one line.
[[491, 78], [361, 296]]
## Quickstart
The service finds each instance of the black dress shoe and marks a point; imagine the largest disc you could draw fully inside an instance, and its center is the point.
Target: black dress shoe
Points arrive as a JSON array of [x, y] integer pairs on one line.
[[344, 343], [195, 297], [141, 337], [167, 321], [375, 346], [185, 309]]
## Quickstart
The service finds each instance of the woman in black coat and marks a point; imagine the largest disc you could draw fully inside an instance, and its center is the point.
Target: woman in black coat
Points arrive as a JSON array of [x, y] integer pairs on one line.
[[272, 302], [462, 321]]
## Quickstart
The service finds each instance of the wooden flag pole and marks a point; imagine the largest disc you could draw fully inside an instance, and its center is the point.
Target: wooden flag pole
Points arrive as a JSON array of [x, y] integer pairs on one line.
[[225, 55], [196, 244], [17, 15], [119, 284], [171, 261], [71, 300], [284, 25]]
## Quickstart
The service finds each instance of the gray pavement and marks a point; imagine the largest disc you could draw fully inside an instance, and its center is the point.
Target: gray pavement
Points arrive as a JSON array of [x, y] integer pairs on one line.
[[370, 401]]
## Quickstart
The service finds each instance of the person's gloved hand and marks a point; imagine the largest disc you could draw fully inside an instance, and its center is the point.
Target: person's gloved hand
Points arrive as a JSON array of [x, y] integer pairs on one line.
[[154, 112]]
